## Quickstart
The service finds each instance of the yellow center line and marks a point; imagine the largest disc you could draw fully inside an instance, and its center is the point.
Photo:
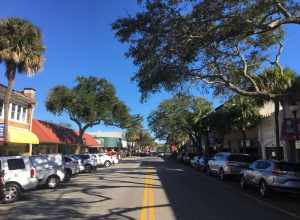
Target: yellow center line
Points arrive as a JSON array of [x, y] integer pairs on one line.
[[148, 210]]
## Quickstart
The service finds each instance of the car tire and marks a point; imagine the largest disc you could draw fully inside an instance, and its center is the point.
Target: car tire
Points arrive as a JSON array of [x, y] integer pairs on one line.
[[68, 175], [243, 183], [12, 193], [222, 175], [88, 168], [107, 163], [263, 189], [52, 182]]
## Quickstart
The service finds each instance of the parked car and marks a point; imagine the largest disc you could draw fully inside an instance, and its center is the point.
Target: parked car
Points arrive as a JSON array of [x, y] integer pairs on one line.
[[269, 175], [104, 160], [115, 159], [19, 176], [49, 169], [203, 163], [71, 167], [2, 184], [79, 162], [228, 164], [195, 161], [89, 162]]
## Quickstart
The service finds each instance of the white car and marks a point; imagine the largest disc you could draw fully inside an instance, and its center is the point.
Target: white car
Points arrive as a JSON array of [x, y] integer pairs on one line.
[[71, 167], [89, 161], [115, 159], [49, 169], [104, 160], [19, 176], [79, 162]]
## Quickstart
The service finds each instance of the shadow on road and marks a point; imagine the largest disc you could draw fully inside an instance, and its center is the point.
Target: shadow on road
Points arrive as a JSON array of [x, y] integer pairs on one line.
[[194, 195]]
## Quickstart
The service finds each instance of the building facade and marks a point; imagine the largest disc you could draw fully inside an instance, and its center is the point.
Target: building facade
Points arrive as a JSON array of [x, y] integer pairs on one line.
[[21, 109]]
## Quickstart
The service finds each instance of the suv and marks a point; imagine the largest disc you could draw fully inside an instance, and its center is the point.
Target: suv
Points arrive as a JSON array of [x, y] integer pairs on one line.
[[49, 169], [270, 175], [228, 164], [19, 176], [89, 161]]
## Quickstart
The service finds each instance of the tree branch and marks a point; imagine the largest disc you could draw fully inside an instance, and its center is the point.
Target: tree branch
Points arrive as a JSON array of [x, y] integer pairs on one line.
[[283, 10]]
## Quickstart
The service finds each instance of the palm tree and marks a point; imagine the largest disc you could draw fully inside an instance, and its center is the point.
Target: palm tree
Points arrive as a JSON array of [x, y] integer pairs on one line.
[[21, 51]]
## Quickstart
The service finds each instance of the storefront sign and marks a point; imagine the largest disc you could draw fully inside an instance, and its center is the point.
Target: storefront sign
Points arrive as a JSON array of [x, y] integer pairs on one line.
[[297, 144]]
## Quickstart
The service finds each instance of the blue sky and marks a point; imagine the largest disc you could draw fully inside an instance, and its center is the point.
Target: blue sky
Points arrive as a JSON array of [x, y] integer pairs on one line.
[[79, 41]]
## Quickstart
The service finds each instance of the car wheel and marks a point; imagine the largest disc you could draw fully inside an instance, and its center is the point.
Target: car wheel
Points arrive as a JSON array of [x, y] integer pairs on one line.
[[68, 175], [107, 163], [263, 189], [243, 183], [12, 193], [222, 175], [52, 182], [88, 168]]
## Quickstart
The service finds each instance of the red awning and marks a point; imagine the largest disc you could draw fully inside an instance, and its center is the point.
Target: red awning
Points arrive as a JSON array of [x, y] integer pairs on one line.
[[52, 133]]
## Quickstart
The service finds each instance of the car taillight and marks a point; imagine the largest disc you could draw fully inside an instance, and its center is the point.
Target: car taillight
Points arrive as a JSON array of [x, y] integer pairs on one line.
[[278, 172], [32, 172]]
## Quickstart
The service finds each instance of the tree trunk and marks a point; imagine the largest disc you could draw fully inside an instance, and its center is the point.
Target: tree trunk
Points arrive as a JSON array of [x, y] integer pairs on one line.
[[244, 140], [6, 108], [276, 118], [80, 144]]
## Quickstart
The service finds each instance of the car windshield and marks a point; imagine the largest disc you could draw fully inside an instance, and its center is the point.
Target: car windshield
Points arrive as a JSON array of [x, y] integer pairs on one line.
[[288, 166], [240, 158]]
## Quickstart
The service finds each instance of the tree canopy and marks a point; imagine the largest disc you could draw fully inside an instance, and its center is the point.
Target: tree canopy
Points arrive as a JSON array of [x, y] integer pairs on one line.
[[223, 44], [92, 101], [179, 118]]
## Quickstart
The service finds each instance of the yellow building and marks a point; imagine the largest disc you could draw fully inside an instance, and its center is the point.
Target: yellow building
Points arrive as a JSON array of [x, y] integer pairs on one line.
[[21, 108]]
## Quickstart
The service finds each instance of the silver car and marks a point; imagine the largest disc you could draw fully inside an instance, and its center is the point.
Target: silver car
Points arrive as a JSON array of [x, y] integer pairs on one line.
[[270, 175], [228, 164]]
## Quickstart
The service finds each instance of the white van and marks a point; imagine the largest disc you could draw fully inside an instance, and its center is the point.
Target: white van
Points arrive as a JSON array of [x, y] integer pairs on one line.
[[19, 176]]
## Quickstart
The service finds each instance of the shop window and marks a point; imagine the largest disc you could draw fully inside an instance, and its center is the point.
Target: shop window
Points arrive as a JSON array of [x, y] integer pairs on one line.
[[19, 113], [13, 111], [24, 113]]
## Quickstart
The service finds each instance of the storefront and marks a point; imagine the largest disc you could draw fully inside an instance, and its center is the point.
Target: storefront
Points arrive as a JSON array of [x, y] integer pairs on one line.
[[20, 138]]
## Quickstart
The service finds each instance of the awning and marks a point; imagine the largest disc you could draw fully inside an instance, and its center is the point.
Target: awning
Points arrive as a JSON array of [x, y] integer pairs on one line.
[[21, 136]]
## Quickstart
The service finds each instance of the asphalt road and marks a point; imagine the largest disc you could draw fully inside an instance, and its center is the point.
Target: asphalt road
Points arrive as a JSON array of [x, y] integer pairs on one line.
[[150, 189]]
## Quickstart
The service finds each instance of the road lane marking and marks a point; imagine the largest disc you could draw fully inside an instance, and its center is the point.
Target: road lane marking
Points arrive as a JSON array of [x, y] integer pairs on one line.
[[148, 209], [143, 215]]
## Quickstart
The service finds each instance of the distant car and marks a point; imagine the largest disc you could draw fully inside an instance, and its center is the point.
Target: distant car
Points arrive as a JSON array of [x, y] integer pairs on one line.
[[89, 162], [49, 169], [71, 167], [104, 160], [269, 175], [79, 162], [228, 164], [19, 176], [115, 159], [195, 161], [203, 163]]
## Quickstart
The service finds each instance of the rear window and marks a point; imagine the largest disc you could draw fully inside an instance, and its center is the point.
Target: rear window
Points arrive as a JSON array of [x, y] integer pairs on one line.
[[84, 156], [15, 164], [240, 158], [288, 167]]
